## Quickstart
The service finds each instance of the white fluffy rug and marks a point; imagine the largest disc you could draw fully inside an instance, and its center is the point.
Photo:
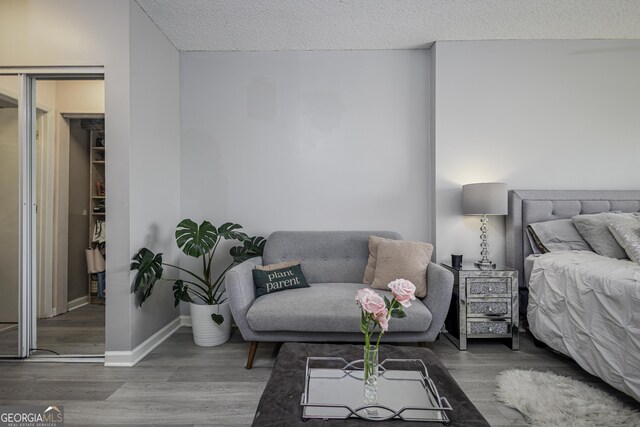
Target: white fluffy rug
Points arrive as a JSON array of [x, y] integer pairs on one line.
[[547, 399]]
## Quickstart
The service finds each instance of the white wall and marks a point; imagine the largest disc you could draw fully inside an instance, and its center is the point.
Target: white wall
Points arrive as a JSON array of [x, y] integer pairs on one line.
[[99, 32], [87, 32], [78, 96], [307, 140], [533, 114]]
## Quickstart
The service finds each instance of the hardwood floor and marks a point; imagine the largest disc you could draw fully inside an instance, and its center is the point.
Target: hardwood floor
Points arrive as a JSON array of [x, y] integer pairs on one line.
[[182, 384], [80, 331]]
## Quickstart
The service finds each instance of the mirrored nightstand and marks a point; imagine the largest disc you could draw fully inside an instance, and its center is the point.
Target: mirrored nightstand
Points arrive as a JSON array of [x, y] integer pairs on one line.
[[484, 304]]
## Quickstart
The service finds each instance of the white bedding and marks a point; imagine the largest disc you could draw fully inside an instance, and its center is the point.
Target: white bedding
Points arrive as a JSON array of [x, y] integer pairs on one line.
[[587, 306]]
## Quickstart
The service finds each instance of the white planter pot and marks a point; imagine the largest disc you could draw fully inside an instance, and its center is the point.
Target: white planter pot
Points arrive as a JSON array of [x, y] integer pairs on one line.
[[206, 333]]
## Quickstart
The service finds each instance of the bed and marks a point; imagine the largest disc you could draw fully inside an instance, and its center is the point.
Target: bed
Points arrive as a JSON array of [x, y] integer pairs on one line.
[[581, 304]]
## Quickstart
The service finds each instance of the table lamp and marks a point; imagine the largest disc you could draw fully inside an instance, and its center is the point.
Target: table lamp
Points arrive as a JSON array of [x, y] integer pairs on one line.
[[487, 198]]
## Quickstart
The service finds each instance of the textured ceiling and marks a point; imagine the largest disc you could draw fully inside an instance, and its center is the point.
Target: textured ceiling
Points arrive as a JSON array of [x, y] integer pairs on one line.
[[384, 24]]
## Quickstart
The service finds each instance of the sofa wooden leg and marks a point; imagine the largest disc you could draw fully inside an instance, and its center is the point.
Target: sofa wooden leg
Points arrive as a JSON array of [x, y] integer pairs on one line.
[[276, 349], [252, 354]]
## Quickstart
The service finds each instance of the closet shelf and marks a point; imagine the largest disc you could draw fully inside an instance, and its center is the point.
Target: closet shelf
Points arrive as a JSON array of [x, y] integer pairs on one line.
[[97, 199]]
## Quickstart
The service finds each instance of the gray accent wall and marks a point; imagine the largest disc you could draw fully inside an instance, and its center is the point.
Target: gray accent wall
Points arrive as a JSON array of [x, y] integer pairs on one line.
[[155, 162], [307, 140]]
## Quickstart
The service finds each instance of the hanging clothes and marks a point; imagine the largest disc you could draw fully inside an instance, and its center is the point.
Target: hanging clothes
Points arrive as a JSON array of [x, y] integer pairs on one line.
[[99, 232], [101, 284], [95, 260]]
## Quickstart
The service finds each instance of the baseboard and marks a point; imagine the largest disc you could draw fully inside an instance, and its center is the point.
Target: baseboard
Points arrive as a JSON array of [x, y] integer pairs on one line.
[[185, 320], [67, 359], [77, 303], [130, 358]]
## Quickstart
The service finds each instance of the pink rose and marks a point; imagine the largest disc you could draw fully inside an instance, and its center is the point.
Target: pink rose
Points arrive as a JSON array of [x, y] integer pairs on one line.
[[403, 290], [370, 301], [383, 320]]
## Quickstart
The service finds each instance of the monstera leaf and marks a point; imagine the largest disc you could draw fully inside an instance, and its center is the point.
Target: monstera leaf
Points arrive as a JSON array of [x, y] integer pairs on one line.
[[149, 266], [252, 247], [196, 240], [228, 232], [181, 292]]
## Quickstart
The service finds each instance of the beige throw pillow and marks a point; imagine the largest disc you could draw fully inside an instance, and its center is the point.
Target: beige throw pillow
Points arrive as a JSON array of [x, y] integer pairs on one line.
[[397, 259], [278, 266], [370, 269]]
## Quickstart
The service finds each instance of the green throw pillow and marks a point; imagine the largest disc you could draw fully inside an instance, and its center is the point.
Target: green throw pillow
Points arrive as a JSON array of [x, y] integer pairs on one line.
[[281, 279]]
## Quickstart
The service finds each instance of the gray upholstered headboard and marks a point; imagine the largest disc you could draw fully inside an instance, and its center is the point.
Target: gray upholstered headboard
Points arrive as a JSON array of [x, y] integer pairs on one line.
[[529, 206]]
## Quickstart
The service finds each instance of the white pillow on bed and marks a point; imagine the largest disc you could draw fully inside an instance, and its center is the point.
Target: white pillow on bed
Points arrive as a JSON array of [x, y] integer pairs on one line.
[[556, 235], [626, 230], [597, 234]]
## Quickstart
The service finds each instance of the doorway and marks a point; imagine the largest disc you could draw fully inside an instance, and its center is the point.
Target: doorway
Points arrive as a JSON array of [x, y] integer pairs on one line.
[[52, 214]]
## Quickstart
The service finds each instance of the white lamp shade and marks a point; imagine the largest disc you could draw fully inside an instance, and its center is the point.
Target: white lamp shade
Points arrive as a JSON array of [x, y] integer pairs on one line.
[[487, 198]]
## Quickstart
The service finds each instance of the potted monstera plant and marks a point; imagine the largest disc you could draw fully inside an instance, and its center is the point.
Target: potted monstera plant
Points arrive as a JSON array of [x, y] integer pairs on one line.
[[210, 314]]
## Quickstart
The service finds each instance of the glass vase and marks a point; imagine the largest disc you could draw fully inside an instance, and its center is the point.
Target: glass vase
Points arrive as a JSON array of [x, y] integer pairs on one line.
[[371, 377]]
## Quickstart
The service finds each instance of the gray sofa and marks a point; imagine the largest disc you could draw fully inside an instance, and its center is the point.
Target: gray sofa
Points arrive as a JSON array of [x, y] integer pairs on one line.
[[333, 263]]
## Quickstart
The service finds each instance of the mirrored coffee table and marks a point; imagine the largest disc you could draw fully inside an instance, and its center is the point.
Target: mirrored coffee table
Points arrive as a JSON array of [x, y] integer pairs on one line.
[[281, 398], [334, 389]]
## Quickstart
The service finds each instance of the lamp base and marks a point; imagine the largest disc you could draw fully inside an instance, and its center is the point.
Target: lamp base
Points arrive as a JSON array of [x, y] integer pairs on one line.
[[485, 265]]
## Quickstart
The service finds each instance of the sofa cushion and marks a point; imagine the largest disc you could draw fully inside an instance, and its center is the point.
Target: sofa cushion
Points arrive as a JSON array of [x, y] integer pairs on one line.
[[325, 256], [325, 307]]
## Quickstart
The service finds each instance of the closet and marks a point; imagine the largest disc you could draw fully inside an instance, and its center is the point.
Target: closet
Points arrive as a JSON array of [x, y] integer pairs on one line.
[[95, 253], [52, 144]]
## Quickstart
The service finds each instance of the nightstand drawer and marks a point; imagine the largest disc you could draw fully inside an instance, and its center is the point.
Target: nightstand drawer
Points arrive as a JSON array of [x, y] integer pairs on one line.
[[484, 328], [489, 308], [483, 286]]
